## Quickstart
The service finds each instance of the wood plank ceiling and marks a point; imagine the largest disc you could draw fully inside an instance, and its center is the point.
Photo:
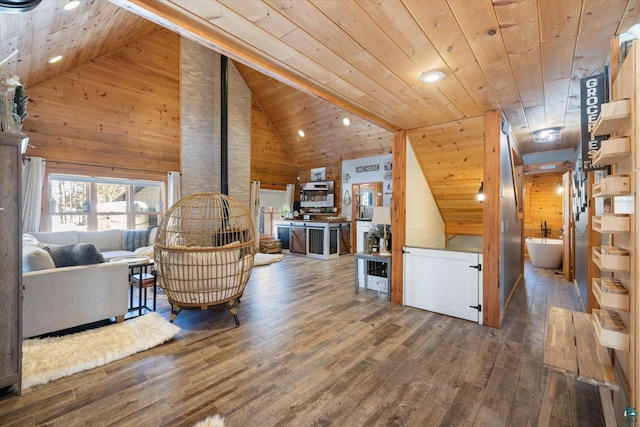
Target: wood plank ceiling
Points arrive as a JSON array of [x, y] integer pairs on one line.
[[311, 63], [523, 56], [363, 57]]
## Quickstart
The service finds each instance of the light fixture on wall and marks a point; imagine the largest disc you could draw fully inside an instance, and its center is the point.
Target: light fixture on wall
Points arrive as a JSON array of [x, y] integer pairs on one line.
[[55, 59], [547, 135], [480, 195]]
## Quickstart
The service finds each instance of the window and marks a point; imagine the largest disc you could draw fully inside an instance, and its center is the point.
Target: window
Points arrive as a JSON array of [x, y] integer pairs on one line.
[[88, 204]]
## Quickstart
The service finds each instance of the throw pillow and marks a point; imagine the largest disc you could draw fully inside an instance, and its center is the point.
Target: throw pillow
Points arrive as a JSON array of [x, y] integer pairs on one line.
[[74, 254], [134, 239], [34, 259]]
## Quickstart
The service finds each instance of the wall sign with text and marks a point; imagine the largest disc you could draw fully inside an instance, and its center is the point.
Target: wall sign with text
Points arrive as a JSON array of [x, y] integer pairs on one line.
[[593, 91], [368, 168]]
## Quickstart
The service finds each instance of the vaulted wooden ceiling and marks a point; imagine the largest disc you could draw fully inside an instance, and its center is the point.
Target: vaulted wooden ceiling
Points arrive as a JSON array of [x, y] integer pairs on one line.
[[362, 57], [525, 57]]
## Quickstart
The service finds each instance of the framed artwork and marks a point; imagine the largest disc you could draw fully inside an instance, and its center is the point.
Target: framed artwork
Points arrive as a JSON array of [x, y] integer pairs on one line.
[[318, 174]]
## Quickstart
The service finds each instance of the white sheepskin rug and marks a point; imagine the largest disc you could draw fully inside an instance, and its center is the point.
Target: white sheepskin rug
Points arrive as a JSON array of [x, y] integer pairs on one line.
[[265, 259], [214, 421], [48, 359]]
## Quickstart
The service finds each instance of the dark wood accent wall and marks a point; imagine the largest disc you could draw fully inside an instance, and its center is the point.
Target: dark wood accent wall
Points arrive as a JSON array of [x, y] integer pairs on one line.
[[271, 162], [118, 115], [333, 172]]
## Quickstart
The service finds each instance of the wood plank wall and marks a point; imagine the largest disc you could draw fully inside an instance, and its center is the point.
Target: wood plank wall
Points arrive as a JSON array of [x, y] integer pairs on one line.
[[542, 203], [115, 116], [451, 157], [271, 162], [333, 167]]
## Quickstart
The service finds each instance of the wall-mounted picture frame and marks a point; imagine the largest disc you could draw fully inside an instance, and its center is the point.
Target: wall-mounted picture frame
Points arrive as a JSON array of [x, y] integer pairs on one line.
[[318, 174]]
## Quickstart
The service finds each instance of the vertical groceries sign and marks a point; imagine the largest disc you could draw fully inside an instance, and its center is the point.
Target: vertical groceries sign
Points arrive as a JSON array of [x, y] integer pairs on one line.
[[592, 96]]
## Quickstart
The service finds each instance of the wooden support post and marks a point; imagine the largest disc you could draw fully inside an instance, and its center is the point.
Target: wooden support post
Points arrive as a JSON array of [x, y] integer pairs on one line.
[[398, 215], [491, 219]]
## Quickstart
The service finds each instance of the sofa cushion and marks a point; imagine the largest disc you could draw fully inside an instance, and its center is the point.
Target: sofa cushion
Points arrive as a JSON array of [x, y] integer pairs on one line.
[[109, 255], [35, 258], [134, 239], [56, 237], [29, 240], [145, 251], [77, 254], [107, 240], [152, 236]]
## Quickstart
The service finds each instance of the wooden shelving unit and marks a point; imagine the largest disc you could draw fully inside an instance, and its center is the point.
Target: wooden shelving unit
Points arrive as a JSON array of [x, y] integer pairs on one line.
[[611, 223], [612, 151], [608, 260], [613, 185], [612, 115], [617, 338], [614, 315], [619, 299]]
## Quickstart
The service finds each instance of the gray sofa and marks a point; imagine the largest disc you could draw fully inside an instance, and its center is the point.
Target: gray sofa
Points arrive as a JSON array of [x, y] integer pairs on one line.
[[65, 297]]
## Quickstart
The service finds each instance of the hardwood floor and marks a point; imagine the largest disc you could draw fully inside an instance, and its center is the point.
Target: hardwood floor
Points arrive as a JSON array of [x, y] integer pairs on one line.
[[309, 352]]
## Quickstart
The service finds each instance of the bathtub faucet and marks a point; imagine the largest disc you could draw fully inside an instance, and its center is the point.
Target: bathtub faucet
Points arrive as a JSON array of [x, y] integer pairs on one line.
[[545, 231]]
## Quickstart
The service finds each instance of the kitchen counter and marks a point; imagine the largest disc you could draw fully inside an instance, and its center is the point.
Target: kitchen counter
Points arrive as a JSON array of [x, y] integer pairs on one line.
[[315, 238], [316, 220]]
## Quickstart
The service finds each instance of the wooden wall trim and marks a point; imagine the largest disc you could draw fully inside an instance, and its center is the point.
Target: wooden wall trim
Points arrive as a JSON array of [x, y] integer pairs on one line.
[[491, 220], [398, 215]]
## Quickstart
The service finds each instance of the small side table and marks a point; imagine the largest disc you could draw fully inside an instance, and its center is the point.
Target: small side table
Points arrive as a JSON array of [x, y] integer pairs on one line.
[[142, 275], [377, 258]]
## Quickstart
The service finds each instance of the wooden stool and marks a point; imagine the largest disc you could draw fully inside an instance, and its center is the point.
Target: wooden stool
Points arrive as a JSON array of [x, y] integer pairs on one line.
[[572, 349]]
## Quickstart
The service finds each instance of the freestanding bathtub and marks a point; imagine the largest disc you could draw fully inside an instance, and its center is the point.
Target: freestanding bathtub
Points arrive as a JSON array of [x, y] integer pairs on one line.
[[545, 253]]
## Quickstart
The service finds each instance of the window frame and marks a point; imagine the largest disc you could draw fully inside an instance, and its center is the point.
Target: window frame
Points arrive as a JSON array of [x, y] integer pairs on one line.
[[93, 214]]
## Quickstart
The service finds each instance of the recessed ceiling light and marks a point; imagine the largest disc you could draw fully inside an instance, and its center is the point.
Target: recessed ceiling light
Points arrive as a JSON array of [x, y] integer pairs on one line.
[[55, 59], [71, 5], [346, 121], [547, 135], [431, 76], [301, 133]]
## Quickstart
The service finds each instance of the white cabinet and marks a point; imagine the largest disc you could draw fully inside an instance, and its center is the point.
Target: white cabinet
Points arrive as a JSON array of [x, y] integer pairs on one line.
[[315, 239]]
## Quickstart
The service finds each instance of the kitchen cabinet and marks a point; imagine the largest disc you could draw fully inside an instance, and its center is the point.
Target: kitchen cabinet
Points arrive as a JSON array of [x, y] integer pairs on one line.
[[314, 238], [298, 240], [10, 262]]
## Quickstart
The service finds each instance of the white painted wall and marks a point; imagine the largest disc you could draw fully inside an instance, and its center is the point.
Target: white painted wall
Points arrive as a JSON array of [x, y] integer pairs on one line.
[[351, 176], [424, 224]]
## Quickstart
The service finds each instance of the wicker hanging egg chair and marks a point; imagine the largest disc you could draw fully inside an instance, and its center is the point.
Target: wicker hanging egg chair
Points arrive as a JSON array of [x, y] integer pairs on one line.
[[204, 252]]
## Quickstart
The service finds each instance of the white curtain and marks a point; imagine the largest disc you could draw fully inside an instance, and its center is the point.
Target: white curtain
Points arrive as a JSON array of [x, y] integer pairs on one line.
[[289, 196], [255, 210], [173, 188], [32, 181]]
